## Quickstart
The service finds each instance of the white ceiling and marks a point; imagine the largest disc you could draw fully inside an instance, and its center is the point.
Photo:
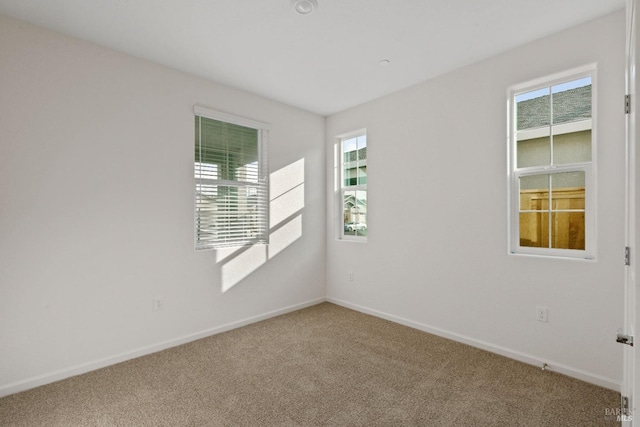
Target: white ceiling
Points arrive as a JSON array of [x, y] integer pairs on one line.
[[324, 62]]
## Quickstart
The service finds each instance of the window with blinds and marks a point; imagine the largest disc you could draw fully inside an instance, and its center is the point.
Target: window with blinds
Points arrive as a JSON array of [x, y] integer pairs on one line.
[[231, 180]]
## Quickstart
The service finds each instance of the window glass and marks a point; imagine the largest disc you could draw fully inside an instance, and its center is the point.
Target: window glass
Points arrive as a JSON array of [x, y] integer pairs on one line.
[[552, 210], [355, 212], [574, 147], [552, 167], [571, 101], [354, 186], [534, 152], [533, 109]]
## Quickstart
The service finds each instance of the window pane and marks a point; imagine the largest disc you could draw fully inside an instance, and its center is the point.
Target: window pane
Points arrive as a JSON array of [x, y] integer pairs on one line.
[[567, 184], [230, 149], [362, 147], [350, 177], [534, 192], [534, 152], [354, 161], [350, 145], [568, 230], [355, 213], [362, 159], [567, 210], [533, 109], [534, 229], [574, 147], [350, 161], [568, 194], [362, 174], [572, 101]]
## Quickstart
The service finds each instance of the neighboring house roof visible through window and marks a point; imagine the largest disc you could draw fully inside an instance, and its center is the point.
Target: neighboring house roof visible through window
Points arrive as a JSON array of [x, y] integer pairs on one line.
[[352, 156], [568, 106]]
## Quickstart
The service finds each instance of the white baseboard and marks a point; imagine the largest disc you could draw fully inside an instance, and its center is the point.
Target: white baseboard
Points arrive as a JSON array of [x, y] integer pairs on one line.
[[512, 354], [51, 377], [61, 374]]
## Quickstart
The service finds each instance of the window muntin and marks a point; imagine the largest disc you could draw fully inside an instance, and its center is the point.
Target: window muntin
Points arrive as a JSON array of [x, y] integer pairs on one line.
[[552, 201], [231, 185], [552, 210], [353, 197]]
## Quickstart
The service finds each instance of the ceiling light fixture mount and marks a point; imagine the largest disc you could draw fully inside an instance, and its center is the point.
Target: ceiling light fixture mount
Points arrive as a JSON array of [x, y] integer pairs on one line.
[[304, 7]]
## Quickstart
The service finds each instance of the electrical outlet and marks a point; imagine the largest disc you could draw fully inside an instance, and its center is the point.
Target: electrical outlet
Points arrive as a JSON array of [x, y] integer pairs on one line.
[[158, 303], [542, 314]]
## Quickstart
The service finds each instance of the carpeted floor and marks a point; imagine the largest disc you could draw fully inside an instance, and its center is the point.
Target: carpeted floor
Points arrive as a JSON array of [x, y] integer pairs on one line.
[[321, 366]]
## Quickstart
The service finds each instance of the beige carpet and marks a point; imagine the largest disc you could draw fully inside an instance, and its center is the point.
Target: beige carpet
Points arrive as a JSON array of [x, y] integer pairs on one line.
[[321, 366]]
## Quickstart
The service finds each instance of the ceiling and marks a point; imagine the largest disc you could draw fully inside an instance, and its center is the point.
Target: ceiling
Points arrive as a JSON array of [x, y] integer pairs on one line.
[[323, 62]]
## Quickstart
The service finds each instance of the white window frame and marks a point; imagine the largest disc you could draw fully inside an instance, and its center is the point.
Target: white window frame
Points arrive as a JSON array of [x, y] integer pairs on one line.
[[589, 168], [262, 182], [343, 188]]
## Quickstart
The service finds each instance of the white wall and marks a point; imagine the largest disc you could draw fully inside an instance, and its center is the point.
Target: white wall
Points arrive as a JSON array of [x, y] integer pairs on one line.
[[436, 256], [96, 209]]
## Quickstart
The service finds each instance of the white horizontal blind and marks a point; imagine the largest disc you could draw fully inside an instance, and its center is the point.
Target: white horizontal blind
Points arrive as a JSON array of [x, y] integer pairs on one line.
[[231, 184]]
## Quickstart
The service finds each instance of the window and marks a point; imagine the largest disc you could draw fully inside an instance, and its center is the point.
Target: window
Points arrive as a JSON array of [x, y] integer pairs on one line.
[[552, 191], [231, 184], [353, 194]]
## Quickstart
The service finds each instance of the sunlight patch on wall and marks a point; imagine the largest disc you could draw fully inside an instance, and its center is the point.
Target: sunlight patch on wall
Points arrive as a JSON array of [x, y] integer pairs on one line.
[[286, 178], [286, 188], [287, 192], [286, 205], [240, 266], [224, 253], [285, 235]]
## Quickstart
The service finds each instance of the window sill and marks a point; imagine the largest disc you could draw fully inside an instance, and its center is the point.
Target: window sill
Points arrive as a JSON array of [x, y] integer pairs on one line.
[[574, 256]]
